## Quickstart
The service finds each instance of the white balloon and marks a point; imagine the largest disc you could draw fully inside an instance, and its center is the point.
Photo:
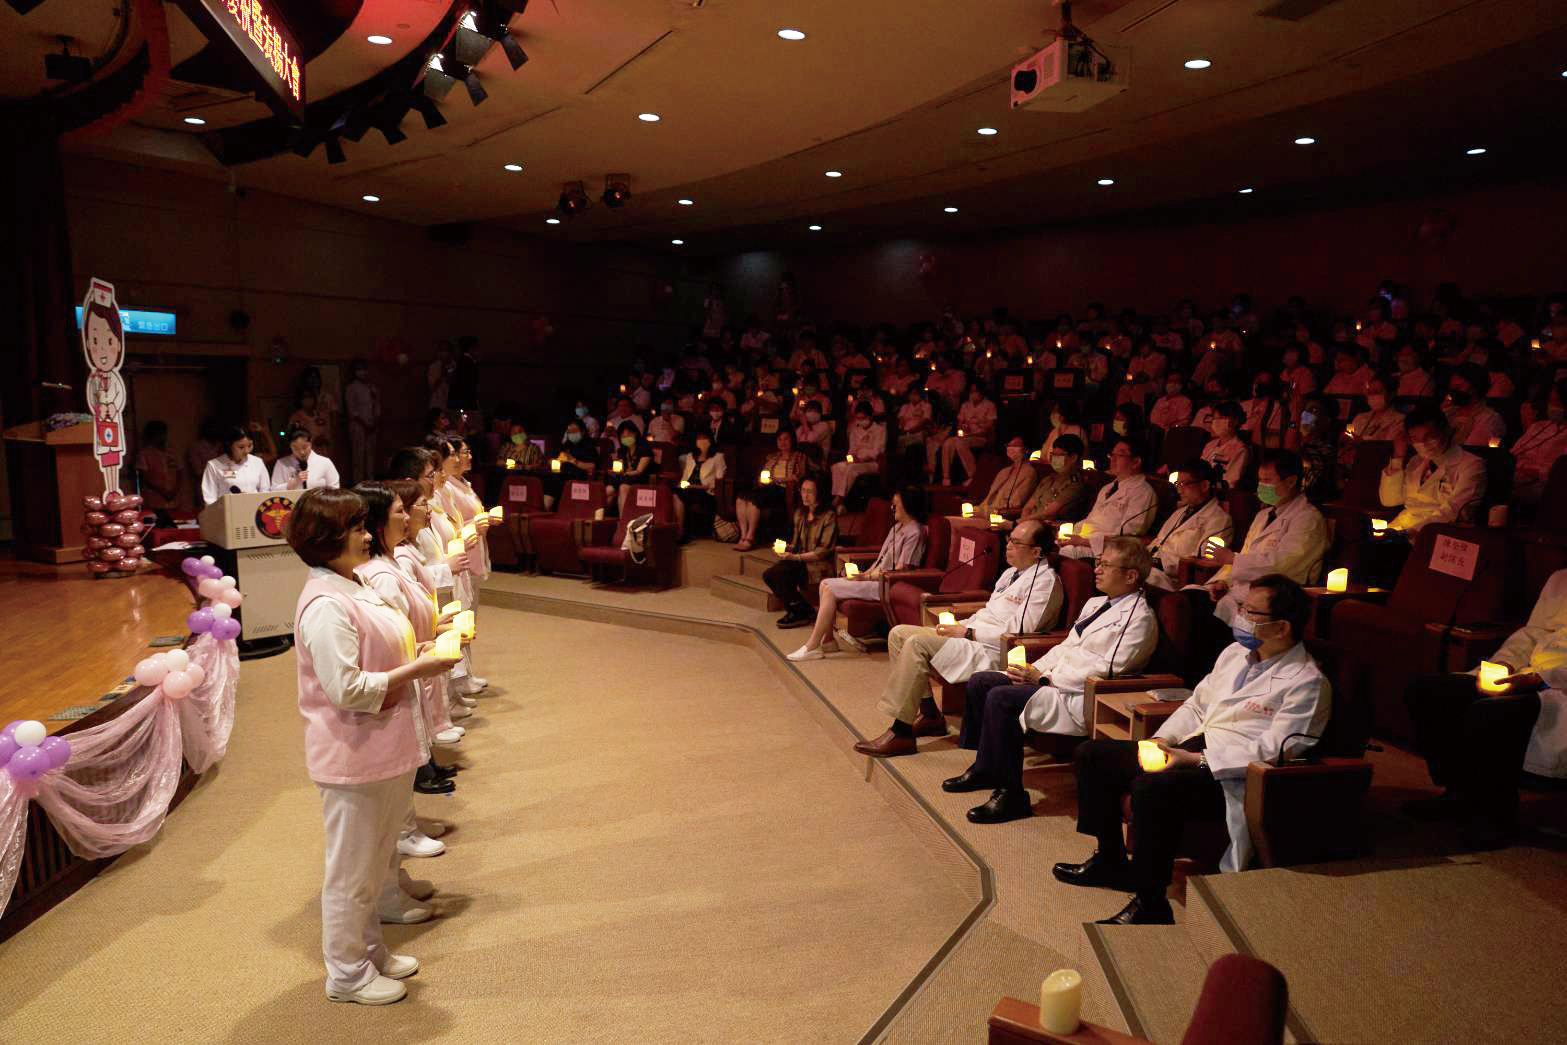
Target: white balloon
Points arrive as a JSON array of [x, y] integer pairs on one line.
[[177, 659], [29, 734], [208, 560], [228, 582], [221, 610]]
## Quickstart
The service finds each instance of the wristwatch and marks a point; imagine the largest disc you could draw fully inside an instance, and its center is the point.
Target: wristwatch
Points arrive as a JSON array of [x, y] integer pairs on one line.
[[1202, 760], [968, 633]]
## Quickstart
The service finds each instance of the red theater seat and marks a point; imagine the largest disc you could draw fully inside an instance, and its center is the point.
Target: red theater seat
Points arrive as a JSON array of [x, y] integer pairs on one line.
[[607, 561], [554, 537]]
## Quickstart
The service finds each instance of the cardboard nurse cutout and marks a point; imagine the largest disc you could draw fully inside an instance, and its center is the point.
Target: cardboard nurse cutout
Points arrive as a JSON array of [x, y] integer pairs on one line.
[[103, 342]]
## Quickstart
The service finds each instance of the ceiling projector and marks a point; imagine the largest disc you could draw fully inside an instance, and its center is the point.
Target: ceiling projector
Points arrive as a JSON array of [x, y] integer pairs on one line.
[[1071, 76]]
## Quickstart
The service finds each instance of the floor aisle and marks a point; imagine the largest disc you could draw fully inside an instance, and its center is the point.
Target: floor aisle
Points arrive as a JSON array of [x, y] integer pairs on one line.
[[654, 845]]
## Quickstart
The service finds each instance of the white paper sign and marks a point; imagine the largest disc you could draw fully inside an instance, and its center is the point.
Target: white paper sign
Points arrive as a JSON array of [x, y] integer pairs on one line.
[[1455, 558], [579, 491], [647, 498], [965, 550], [103, 343]]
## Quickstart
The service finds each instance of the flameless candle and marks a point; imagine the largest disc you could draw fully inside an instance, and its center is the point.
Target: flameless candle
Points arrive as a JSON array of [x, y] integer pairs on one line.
[[946, 617], [1030, 361], [780, 546], [1217, 542], [968, 509], [617, 466], [451, 607], [1017, 657], [850, 570], [448, 645], [510, 463], [464, 623], [1535, 344], [997, 520], [555, 465], [498, 513], [1175, 477], [1065, 530], [1152, 757], [849, 458], [1058, 342], [1491, 675], [1061, 1002], [1034, 456], [1378, 527], [1088, 464], [1357, 326], [960, 433], [454, 547], [469, 530], [766, 476], [685, 484], [1494, 443], [1338, 580], [622, 388]]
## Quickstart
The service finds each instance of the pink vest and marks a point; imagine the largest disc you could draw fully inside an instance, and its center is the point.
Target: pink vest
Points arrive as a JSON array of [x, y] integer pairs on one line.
[[417, 594], [463, 504], [358, 747], [445, 529]]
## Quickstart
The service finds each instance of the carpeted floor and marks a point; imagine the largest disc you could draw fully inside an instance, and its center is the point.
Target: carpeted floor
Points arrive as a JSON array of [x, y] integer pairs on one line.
[[653, 844]]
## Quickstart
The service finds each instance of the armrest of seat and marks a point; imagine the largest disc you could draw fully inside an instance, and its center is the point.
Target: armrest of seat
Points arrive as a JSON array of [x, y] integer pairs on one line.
[[1014, 1022], [929, 580], [1468, 644], [951, 598], [602, 532], [1196, 571], [1153, 709], [1290, 809], [1035, 644]]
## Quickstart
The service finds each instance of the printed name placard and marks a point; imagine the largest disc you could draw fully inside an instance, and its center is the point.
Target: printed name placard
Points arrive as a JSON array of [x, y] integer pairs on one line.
[[519, 492], [1064, 379], [579, 491], [647, 498], [769, 426], [965, 549], [1012, 382], [1455, 558]]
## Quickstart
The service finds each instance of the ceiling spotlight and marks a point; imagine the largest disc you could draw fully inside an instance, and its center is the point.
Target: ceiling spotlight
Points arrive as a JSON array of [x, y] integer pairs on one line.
[[1476, 151], [573, 199], [552, 221], [649, 117], [815, 228], [514, 52], [513, 167], [1247, 192], [437, 82], [950, 210], [833, 174], [685, 203], [617, 190], [791, 34], [1197, 63], [476, 91], [1305, 141], [987, 131], [370, 199], [678, 242], [379, 40], [1106, 181], [195, 121]]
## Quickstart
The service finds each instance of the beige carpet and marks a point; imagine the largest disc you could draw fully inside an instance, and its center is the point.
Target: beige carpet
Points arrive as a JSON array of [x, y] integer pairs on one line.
[[655, 843]]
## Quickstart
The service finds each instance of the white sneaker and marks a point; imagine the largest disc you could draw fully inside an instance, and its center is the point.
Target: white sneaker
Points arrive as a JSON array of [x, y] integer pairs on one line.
[[413, 914], [478, 684], [802, 654], [420, 844], [400, 967], [845, 639], [458, 712], [449, 736], [379, 991], [414, 888], [467, 702]]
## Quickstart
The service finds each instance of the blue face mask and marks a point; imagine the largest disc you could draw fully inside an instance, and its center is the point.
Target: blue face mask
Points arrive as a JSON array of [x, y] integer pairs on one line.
[[1245, 632], [1307, 418], [573, 437], [582, 411]]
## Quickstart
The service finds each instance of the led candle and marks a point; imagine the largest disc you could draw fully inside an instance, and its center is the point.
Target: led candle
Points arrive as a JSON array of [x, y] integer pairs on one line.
[[997, 520], [454, 547], [1175, 477], [1349, 430], [1378, 527], [1030, 361], [511, 463], [555, 465], [968, 509], [1058, 342], [1338, 580], [960, 433], [464, 624], [849, 458], [1151, 757], [1061, 1002], [1034, 456], [1017, 657], [1088, 464], [622, 389], [1357, 326], [451, 607], [448, 646], [685, 484], [946, 617], [1217, 542], [1491, 675], [498, 513], [1535, 344], [780, 546], [1065, 530], [1494, 443], [617, 466], [850, 570], [765, 477], [469, 531]]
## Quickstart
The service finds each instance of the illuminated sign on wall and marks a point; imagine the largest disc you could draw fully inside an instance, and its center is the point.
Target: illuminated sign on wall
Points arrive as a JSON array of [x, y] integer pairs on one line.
[[140, 321], [256, 32]]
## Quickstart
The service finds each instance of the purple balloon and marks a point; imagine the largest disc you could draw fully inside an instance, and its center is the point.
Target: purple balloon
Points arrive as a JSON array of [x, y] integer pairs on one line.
[[190, 564], [29, 763], [10, 728], [200, 621], [8, 747], [225, 628], [58, 749]]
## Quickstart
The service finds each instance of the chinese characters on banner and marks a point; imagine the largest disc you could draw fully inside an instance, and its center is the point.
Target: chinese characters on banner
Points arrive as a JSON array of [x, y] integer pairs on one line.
[[252, 18]]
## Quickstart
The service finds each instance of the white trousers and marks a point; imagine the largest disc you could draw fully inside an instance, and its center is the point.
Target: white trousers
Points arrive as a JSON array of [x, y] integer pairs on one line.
[[362, 822]]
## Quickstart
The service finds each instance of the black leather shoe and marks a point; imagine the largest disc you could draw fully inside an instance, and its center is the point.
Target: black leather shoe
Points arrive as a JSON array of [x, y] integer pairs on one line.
[[970, 779], [434, 787], [1004, 804], [1141, 912], [1095, 871], [793, 620], [445, 772]]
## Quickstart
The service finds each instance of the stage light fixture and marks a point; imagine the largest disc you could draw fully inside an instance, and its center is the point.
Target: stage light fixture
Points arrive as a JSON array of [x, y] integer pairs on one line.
[[302, 144], [379, 39], [815, 228], [678, 242], [469, 43], [427, 108], [1305, 141], [686, 203], [476, 91], [617, 190], [833, 174], [1105, 183], [514, 52], [949, 210], [21, 7], [1247, 191], [1476, 151], [649, 117], [552, 221], [791, 34], [573, 199], [386, 116], [334, 151], [513, 167]]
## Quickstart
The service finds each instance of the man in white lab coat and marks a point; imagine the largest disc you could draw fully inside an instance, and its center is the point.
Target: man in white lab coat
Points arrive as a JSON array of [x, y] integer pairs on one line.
[[1440, 483], [1115, 633], [1026, 595], [1288, 536], [1265, 700], [1476, 743], [1199, 518], [1126, 505]]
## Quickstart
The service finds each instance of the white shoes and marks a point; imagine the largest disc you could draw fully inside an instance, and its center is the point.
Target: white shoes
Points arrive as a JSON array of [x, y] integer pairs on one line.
[[458, 712], [412, 914], [803, 654], [380, 991], [477, 684], [419, 844], [400, 967], [414, 888], [450, 736], [467, 702], [844, 638]]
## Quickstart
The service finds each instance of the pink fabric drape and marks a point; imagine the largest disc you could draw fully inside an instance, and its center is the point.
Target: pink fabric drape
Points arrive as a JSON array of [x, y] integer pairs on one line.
[[115, 790]]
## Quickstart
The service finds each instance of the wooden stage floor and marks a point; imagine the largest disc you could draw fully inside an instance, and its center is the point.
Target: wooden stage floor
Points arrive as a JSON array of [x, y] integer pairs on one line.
[[69, 639]]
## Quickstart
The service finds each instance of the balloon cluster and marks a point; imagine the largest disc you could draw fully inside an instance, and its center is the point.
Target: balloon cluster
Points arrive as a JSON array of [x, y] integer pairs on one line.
[[222, 593], [28, 752], [173, 670], [115, 527]]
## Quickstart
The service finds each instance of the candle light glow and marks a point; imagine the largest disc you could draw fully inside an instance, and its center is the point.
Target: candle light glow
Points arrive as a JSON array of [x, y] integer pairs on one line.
[[850, 570], [1152, 757], [946, 617], [780, 546], [1491, 674], [1017, 657], [1338, 580]]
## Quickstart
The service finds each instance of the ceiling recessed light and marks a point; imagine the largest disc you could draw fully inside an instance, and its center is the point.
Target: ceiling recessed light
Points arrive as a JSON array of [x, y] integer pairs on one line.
[[791, 34], [950, 210], [815, 228], [648, 117], [1197, 63], [987, 131], [1247, 192], [1106, 181], [833, 174], [685, 203], [552, 221], [1305, 141], [1476, 151], [195, 121], [379, 40], [678, 242], [514, 167], [368, 198]]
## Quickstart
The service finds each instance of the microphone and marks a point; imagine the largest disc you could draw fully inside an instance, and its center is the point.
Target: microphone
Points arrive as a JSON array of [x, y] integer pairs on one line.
[[233, 489], [1127, 522]]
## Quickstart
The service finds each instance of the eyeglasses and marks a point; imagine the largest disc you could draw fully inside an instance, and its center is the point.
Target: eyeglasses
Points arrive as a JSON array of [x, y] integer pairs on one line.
[[1103, 565], [1120, 453], [1021, 544], [1256, 617]]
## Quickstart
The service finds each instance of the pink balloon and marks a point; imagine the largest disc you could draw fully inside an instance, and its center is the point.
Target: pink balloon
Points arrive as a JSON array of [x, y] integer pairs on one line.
[[110, 530], [95, 543], [98, 567], [92, 504], [127, 517], [231, 598], [135, 551], [131, 500], [97, 518], [178, 684], [150, 671], [112, 554], [114, 500], [197, 673], [128, 540], [127, 565], [209, 588]]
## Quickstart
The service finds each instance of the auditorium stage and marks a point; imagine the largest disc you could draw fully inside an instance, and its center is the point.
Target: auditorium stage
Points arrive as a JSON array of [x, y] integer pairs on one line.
[[70, 639]]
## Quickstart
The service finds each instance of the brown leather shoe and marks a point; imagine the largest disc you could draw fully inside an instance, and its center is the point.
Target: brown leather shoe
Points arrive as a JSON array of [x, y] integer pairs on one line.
[[888, 745], [930, 726]]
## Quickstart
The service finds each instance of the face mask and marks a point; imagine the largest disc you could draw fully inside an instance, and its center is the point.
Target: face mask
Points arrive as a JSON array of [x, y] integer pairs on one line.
[[1268, 494], [573, 437], [1245, 632], [628, 441], [1459, 397], [1307, 418], [1377, 402], [1058, 463], [582, 411], [811, 417], [1118, 426]]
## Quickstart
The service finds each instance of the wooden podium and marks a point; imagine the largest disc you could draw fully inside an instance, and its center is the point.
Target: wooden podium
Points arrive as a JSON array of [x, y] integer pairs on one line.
[[50, 473]]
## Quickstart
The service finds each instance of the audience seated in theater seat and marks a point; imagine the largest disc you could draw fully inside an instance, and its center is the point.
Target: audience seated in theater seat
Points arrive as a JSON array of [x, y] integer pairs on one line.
[[1440, 482], [1198, 518], [1125, 505], [1288, 536]]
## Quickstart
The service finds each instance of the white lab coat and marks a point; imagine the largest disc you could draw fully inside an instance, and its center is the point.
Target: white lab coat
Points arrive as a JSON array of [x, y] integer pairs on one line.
[[1120, 641], [1452, 493], [222, 474], [1288, 695], [1293, 544], [1541, 646], [1129, 510], [1020, 602], [1179, 538], [320, 472]]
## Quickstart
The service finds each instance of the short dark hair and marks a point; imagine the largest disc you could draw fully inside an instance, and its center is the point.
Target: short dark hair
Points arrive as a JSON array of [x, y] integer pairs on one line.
[[410, 462], [1134, 446], [321, 521], [1199, 469], [1474, 376], [407, 490], [1285, 462], [915, 501], [1287, 601], [1069, 444], [299, 431], [1231, 409], [233, 434], [378, 499], [440, 446], [1427, 414]]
